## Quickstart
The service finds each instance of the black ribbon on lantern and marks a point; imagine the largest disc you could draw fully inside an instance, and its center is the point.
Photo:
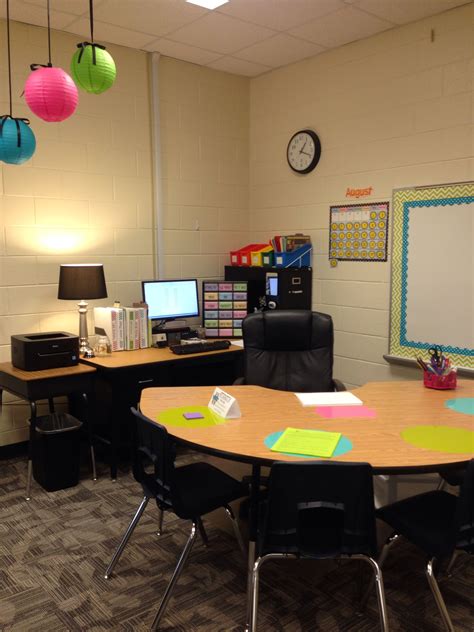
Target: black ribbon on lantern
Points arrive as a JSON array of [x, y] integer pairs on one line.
[[83, 46], [3, 119]]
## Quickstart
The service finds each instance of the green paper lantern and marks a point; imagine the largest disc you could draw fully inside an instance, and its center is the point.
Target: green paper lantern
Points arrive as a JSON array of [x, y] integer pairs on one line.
[[93, 68]]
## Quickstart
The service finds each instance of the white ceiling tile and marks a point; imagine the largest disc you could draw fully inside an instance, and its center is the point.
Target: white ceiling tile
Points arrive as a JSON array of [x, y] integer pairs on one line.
[[341, 27], [220, 33], [76, 7], [279, 50], [182, 51], [404, 11], [158, 17], [31, 14], [238, 66], [110, 33], [280, 15]]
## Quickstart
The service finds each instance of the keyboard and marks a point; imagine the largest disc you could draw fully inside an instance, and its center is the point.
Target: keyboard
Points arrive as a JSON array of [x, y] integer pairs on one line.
[[200, 347]]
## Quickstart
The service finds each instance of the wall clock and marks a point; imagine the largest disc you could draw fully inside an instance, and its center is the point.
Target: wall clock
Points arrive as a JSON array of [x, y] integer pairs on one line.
[[304, 151]]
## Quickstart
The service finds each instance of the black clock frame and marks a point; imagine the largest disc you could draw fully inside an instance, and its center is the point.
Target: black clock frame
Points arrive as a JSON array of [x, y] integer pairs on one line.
[[317, 151]]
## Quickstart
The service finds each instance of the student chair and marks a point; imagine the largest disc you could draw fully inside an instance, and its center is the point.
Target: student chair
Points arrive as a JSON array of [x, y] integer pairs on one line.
[[189, 491], [289, 350], [437, 522], [318, 510]]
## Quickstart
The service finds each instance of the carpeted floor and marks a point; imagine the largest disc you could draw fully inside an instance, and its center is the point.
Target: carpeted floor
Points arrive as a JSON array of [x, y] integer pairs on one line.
[[54, 549]]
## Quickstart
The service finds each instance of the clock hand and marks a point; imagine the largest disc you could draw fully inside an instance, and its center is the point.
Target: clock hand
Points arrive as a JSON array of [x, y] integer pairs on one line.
[[305, 153], [301, 150]]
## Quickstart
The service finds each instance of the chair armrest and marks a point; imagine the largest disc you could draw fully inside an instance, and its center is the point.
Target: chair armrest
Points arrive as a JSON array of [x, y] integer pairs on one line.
[[239, 381], [338, 385]]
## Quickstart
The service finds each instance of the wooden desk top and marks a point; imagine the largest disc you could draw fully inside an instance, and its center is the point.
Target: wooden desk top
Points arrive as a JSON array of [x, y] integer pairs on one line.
[[376, 441], [8, 369], [127, 359]]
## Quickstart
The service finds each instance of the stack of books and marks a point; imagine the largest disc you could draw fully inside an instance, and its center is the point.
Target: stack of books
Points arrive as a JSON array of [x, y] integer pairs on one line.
[[288, 243], [128, 328]]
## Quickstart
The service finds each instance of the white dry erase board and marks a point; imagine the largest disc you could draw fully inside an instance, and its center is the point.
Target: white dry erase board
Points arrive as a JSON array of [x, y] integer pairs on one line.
[[432, 289]]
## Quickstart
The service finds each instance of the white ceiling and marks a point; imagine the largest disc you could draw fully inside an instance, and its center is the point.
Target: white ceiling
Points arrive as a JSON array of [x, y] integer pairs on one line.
[[245, 37]]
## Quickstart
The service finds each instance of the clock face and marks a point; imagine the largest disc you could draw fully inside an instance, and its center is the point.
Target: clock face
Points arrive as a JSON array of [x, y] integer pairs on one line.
[[304, 151]]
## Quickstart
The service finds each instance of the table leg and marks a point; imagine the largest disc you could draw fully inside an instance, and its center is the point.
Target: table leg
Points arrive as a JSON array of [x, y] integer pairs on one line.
[[253, 532], [90, 434], [29, 472]]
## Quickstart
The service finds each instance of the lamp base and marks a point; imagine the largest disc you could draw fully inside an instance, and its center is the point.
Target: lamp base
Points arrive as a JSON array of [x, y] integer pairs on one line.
[[83, 334]]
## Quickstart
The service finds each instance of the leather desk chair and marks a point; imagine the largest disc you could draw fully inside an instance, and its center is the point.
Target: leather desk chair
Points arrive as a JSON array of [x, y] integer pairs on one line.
[[289, 350]]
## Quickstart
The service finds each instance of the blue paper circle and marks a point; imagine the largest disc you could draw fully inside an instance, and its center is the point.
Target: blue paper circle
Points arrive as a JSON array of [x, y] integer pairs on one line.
[[463, 405], [344, 445], [9, 150]]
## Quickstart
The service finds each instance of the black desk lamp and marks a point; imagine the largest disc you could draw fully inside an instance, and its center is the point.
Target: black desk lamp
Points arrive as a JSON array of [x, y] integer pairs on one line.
[[78, 281]]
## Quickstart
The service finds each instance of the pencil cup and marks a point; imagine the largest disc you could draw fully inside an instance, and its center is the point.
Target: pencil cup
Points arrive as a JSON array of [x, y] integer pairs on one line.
[[440, 382]]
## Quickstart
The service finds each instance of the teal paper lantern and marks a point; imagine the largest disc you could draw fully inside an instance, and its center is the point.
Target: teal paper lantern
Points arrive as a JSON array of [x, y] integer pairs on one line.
[[93, 68], [17, 141]]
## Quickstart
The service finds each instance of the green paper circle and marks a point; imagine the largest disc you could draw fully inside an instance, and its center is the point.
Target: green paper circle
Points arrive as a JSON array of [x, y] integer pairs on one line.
[[440, 439], [174, 417], [94, 78]]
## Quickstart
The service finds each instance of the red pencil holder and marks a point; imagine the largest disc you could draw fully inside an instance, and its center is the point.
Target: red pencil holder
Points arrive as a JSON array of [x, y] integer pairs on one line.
[[440, 382]]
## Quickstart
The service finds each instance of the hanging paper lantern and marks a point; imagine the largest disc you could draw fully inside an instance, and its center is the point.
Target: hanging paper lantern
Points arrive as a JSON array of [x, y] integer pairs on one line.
[[17, 141], [51, 94], [93, 68]]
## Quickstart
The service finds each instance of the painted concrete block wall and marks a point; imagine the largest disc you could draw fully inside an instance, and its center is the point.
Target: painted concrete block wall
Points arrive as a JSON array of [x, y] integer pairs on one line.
[[204, 116], [85, 196], [393, 110]]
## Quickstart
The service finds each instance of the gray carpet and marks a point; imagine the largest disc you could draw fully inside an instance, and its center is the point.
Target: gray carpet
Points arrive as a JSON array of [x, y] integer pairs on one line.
[[54, 549]]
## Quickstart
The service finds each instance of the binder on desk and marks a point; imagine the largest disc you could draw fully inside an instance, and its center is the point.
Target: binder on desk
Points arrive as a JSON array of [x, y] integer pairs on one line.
[[111, 320]]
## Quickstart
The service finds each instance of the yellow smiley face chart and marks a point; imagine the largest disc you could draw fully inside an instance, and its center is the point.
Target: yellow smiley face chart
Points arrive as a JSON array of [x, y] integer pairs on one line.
[[358, 232]]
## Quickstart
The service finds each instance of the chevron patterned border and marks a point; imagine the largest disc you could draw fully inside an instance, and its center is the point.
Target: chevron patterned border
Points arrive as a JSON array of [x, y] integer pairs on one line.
[[403, 200]]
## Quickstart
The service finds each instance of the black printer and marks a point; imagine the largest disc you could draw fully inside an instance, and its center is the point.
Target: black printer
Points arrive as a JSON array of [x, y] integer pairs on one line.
[[34, 352]]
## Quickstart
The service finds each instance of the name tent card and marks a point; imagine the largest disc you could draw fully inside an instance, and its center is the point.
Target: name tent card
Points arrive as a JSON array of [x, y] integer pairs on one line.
[[224, 404]]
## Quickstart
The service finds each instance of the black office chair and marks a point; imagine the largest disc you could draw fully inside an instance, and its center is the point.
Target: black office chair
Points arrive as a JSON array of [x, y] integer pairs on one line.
[[437, 522], [289, 350], [189, 491], [318, 510]]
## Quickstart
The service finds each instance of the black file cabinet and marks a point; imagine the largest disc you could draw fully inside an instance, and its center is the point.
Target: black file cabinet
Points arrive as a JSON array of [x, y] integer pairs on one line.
[[287, 288]]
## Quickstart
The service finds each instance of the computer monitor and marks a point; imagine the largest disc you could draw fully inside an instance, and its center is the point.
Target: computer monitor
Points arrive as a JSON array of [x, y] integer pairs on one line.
[[171, 299]]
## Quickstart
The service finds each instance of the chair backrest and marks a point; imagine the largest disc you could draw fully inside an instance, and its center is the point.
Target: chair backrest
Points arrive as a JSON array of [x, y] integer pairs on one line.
[[464, 516], [289, 350], [153, 464], [319, 509]]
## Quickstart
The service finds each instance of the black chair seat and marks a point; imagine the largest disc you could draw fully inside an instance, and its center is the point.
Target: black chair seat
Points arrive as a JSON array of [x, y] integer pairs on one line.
[[424, 520]]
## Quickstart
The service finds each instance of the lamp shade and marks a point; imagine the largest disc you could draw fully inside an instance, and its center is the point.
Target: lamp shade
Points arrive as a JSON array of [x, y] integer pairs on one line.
[[79, 281], [93, 68], [17, 141], [51, 94]]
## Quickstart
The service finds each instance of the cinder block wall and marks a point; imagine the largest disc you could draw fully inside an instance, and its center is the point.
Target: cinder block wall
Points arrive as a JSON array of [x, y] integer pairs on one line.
[[86, 196], [393, 110]]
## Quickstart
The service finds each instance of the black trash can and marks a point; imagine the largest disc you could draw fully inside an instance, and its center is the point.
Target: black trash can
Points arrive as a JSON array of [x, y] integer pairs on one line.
[[56, 451]]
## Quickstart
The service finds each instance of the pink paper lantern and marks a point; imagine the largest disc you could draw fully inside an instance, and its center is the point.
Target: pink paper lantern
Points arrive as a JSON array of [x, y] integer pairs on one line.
[[51, 94]]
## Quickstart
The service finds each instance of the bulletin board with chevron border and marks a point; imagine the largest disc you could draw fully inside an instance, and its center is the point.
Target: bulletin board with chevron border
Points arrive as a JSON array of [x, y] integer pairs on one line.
[[432, 285]]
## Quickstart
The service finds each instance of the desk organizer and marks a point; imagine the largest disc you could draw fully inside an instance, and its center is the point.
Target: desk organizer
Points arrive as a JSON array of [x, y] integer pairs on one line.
[[299, 258], [225, 306], [241, 257], [440, 382]]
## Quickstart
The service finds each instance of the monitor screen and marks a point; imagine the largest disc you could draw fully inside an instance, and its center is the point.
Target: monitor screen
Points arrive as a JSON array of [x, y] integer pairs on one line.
[[171, 299]]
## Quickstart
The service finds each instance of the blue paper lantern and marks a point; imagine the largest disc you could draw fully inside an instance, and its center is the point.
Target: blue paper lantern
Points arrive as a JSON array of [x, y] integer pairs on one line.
[[17, 141]]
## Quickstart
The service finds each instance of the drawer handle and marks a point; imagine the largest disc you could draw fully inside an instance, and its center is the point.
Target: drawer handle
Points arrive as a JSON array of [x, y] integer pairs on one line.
[[145, 381]]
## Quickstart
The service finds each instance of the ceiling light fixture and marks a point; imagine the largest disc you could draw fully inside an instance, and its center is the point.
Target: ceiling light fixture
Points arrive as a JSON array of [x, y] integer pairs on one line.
[[208, 4]]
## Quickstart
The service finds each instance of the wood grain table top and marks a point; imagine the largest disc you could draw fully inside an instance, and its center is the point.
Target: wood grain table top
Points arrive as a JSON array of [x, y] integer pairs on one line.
[[8, 369], [376, 440], [151, 355]]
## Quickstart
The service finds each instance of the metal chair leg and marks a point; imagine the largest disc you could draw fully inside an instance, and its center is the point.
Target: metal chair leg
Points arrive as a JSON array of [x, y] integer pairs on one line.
[[254, 595], [380, 593], [429, 572], [202, 532], [235, 526], [381, 559], [452, 561], [126, 537], [175, 577], [94, 471], [160, 521], [29, 474]]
